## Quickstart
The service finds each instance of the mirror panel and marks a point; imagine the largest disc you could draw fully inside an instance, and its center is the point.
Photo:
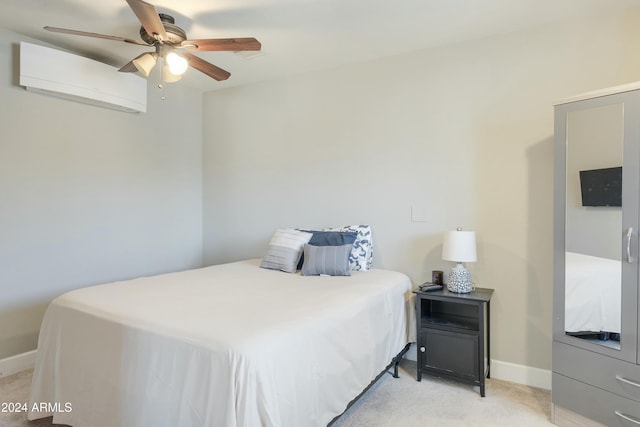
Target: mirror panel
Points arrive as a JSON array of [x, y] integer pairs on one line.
[[593, 258]]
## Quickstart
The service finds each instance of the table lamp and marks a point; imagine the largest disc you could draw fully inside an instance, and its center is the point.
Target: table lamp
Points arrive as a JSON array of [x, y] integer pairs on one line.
[[459, 246]]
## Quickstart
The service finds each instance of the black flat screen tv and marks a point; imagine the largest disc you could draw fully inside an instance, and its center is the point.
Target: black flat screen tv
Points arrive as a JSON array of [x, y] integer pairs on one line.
[[601, 187]]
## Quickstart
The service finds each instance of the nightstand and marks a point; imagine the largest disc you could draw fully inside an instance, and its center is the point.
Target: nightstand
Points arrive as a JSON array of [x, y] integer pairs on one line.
[[453, 335]]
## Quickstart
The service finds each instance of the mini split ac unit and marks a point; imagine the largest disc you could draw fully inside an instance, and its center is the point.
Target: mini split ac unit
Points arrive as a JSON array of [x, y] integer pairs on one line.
[[69, 76]]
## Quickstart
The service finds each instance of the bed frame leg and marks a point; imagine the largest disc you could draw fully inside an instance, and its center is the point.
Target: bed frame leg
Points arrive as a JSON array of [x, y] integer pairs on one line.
[[396, 360]]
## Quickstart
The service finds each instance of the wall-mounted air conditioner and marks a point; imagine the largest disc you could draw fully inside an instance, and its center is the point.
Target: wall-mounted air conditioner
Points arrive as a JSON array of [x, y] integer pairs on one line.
[[69, 76]]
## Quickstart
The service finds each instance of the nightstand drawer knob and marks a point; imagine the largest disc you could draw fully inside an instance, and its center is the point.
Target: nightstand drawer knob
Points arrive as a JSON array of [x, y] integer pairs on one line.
[[422, 349]]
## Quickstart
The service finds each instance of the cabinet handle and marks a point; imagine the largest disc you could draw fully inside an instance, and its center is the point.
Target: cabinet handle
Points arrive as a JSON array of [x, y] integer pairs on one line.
[[626, 381], [627, 417], [422, 349], [629, 233]]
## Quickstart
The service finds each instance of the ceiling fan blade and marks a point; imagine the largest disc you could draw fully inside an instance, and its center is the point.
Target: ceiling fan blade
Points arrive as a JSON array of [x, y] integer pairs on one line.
[[100, 36], [206, 67], [248, 43], [149, 18]]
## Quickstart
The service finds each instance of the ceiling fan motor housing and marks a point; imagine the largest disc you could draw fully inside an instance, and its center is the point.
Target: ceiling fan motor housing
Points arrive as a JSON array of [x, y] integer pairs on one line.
[[176, 34]]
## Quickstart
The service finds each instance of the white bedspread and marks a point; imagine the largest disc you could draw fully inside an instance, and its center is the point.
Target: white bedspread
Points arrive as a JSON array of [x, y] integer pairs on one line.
[[228, 345], [592, 294]]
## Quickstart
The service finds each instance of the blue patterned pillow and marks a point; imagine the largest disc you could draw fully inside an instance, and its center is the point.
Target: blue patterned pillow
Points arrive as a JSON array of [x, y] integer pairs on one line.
[[326, 260], [361, 255]]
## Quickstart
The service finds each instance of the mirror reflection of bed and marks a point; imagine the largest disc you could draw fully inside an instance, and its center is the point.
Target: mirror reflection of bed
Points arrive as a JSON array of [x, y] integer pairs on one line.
[[592, 298], [593, 258]]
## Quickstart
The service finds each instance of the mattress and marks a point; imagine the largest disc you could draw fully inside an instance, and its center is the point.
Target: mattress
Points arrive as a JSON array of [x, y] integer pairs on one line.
[[227, 345], [592, 294]]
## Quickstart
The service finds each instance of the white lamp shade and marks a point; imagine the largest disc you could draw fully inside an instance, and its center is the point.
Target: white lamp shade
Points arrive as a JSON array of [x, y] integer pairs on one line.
[[145, 62], [459, 246]]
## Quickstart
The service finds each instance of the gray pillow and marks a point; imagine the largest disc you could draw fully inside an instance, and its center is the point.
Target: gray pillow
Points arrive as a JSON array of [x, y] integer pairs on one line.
[[329, 260], [329, 238]]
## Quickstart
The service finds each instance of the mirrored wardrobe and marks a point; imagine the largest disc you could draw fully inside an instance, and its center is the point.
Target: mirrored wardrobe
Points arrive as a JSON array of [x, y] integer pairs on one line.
[[596, 359]]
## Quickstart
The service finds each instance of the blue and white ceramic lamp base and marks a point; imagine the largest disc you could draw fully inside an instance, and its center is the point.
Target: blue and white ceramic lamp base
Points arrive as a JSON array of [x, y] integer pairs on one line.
[[460, 280]]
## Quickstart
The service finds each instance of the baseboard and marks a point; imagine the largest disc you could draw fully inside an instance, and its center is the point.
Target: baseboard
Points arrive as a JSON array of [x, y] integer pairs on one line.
[[521, 374], [20, 362]]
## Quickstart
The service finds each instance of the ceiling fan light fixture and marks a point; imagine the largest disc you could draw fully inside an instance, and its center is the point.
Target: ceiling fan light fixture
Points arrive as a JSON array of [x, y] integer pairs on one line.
[[168, 76], [145, 62], [177, 64]]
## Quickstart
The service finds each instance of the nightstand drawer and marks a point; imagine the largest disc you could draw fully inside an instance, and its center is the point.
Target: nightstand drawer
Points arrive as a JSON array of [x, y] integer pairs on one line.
[[614, 375], [450, 352], [594, 403]]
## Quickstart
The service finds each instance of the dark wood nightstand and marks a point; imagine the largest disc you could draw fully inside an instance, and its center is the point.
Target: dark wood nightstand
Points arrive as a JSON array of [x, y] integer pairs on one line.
[[453, 334]]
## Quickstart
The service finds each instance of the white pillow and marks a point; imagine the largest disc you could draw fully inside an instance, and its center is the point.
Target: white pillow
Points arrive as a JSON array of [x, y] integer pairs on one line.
[[285, 249], [361, 255]]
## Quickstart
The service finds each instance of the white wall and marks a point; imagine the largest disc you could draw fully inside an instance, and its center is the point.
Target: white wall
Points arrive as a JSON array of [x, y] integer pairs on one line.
[[90, 195], [464, 134]]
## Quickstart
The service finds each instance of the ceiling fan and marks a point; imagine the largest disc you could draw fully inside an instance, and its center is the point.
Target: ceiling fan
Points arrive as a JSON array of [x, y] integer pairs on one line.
[[171, 45]]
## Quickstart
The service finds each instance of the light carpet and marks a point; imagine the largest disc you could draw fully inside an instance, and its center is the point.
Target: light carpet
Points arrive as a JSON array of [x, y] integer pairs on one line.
[[388, 403]]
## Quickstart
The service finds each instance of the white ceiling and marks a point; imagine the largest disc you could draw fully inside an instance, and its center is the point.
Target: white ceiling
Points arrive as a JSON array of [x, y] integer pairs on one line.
[[297, 35]]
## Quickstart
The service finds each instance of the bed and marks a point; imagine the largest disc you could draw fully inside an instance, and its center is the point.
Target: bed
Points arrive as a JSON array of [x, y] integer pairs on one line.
[[226, 345], [592, 295]]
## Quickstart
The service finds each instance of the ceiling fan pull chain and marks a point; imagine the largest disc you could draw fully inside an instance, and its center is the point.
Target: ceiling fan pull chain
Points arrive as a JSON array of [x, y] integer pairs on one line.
[[161, 84]]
